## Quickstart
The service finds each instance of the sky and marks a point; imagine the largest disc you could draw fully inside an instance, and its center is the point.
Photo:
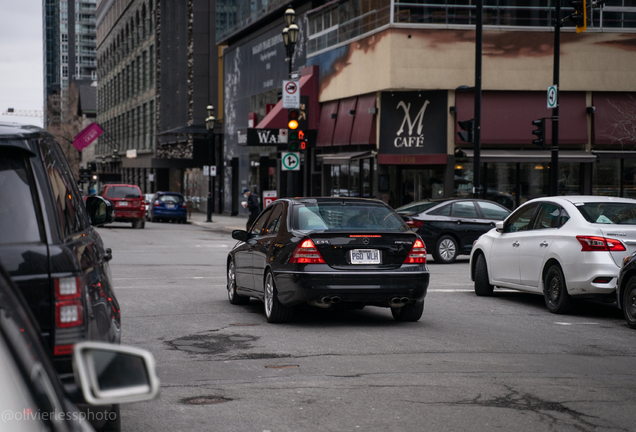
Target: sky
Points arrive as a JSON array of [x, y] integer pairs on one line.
[[21, 70]]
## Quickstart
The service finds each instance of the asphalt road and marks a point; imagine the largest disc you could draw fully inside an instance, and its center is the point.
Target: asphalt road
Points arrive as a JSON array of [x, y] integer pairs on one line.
[[502, 363]]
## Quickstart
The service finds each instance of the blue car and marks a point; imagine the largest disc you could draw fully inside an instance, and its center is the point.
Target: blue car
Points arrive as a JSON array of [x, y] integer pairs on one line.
[[168, 206]]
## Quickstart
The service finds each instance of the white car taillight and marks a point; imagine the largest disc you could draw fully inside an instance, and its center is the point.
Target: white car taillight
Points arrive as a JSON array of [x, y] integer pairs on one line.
[[595, 243]]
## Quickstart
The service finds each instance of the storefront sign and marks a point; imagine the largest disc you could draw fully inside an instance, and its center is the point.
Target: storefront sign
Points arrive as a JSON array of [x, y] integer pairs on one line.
[[413, 123]]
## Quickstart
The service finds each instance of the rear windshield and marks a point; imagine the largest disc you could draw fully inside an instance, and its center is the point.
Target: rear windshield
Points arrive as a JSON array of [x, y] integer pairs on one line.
[[609, 213], [122, 192], [170, 199], [346, 216], [18, 220]]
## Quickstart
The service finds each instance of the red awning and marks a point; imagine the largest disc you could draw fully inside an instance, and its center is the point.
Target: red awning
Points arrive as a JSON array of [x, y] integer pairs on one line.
[[277, 117], [364, 127], [344, 124], [614, 118], [328, 115], [506, 117]]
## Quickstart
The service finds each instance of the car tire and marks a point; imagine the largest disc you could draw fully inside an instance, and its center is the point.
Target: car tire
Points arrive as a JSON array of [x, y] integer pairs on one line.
[[482, 284], [113, 424], [629, 302], [408, 312], [446, 250], [555, 291], [235, 299], [143, 223], [137, 224], [274, 311]]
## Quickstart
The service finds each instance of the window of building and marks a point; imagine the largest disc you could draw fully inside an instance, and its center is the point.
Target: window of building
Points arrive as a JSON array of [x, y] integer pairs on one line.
[[94, 75], [64, 71], [64, 37]]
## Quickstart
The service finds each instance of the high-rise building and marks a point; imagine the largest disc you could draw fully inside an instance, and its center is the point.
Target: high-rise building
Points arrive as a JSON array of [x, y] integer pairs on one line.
[[69, 51]]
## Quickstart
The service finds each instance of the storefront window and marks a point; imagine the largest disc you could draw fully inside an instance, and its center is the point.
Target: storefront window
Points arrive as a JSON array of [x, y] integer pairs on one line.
[[366, 178], [569, 178], [501, 183], [535, 180], [354, 179], [605, 177], [629, 178], [463, 179]]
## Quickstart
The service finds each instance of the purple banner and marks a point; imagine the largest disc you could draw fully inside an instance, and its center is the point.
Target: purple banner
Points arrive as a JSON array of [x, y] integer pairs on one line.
[[87, 136]]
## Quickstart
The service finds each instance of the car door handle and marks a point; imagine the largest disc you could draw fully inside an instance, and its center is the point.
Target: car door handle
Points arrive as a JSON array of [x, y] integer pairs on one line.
[[544, 244], [515, 244]]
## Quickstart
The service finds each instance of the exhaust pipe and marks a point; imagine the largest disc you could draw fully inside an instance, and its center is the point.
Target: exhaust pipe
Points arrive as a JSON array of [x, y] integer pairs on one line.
[[335, 299], [404, 300], [326, 300], [396, 302]]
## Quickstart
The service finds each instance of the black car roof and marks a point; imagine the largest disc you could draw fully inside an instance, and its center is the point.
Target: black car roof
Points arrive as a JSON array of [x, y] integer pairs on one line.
[[300, 200], [16, 135]]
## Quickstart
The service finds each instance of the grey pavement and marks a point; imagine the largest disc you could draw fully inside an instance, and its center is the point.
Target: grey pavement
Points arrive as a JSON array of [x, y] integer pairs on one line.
[[220, 222]]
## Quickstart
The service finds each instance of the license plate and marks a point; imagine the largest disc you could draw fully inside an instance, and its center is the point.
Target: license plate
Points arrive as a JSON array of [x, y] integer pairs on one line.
[[170, 206], [123, 203], [365, 256]]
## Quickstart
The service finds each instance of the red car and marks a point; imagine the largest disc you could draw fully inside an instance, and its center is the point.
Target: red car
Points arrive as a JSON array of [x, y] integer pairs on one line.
[[129, 203]]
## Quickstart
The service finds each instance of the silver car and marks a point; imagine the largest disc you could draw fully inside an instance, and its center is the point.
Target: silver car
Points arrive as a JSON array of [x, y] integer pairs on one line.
[[560, 247]]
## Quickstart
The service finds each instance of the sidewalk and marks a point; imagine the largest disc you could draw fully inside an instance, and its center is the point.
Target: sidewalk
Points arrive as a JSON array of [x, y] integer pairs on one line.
[[220, 223]]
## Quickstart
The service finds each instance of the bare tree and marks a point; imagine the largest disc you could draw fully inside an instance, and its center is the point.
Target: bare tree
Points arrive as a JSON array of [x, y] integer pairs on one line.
[[622, 128], [65, 123]]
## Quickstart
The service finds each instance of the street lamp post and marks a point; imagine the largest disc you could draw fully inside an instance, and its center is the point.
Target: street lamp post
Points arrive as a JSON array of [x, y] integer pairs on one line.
[[209, 125], [290, 37]]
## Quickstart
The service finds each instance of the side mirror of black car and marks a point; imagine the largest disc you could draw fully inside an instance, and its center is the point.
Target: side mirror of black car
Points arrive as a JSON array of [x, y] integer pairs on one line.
[[100, 210], [240, 235]]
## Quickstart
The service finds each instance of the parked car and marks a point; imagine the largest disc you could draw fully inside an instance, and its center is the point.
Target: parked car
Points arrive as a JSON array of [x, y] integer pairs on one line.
[[626, 290], [417, 207], [32, 397], [449, 227], [560, 247], [329, 252], [129, 204], [50, 248], [169, 206]]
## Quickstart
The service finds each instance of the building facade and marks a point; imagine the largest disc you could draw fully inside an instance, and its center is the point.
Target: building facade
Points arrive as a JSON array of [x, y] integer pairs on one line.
[[391, 89], [157, 74], [69, 51]]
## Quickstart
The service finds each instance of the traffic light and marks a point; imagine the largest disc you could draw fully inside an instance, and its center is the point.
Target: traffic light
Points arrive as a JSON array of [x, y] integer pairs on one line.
[[539, 132], [467, 126], [295, 135], [579, 17]]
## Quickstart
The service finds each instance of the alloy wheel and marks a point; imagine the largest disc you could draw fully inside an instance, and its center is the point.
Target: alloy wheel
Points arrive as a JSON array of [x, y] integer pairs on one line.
[[269, 295], [231, 281], [554, 290], [630, 306], [447, 249]]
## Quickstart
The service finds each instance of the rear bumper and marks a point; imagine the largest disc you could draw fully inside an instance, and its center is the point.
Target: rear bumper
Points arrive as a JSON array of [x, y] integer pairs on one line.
[[177, 213], [580, 275], [370, 288], [129, 215]]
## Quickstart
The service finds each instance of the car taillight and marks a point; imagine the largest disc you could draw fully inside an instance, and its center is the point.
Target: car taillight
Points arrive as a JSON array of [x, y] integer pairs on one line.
[[414, 224], [306, 253], [157, 203], [595, 243], [417, 254], [68, 309], [184, 205]]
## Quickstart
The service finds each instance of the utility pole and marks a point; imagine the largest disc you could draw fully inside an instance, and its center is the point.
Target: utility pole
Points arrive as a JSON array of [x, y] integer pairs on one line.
[[554, 161], [478, 192]]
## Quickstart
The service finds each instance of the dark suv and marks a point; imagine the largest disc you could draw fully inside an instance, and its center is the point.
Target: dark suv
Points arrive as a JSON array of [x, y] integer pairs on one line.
[[50, 248]]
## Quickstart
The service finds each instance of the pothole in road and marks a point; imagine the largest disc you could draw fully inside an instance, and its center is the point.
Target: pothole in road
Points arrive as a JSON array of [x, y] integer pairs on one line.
[[212, 343], [205, 400]]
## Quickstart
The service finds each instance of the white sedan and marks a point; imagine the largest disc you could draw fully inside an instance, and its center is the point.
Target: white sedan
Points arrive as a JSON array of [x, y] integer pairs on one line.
[[560, 247]]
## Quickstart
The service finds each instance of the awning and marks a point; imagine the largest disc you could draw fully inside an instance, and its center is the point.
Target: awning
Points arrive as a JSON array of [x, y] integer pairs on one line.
[[364, 129], [530, 155], [614, 154], [344, 124], [194, 129], [344, 158], [328, 115]]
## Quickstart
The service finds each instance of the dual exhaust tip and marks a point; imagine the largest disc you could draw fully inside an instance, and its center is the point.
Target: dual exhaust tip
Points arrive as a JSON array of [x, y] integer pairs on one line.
[[330, 300], [398, 301]]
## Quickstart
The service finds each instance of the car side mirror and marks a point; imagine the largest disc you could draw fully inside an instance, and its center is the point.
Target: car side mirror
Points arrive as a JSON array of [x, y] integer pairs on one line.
[[114, 374], [499, 226], [240, 235], [100, 210]]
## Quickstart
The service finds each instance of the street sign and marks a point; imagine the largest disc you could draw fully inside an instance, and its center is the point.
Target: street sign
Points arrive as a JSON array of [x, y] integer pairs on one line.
[[213, 170], [206, 170], [261, 137], [151, 177], [291, 94], [290, 161], [552, 97]]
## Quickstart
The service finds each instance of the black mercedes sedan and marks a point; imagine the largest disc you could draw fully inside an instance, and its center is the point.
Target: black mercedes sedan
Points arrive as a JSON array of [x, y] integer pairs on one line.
[[449, 227], [329, 253]]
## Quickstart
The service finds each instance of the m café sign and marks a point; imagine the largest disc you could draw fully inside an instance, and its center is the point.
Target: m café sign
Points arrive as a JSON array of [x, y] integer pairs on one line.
[[413, 123]]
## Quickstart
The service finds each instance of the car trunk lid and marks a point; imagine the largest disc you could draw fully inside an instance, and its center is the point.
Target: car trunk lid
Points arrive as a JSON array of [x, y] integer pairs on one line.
[[626, 234], [364, 251]]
